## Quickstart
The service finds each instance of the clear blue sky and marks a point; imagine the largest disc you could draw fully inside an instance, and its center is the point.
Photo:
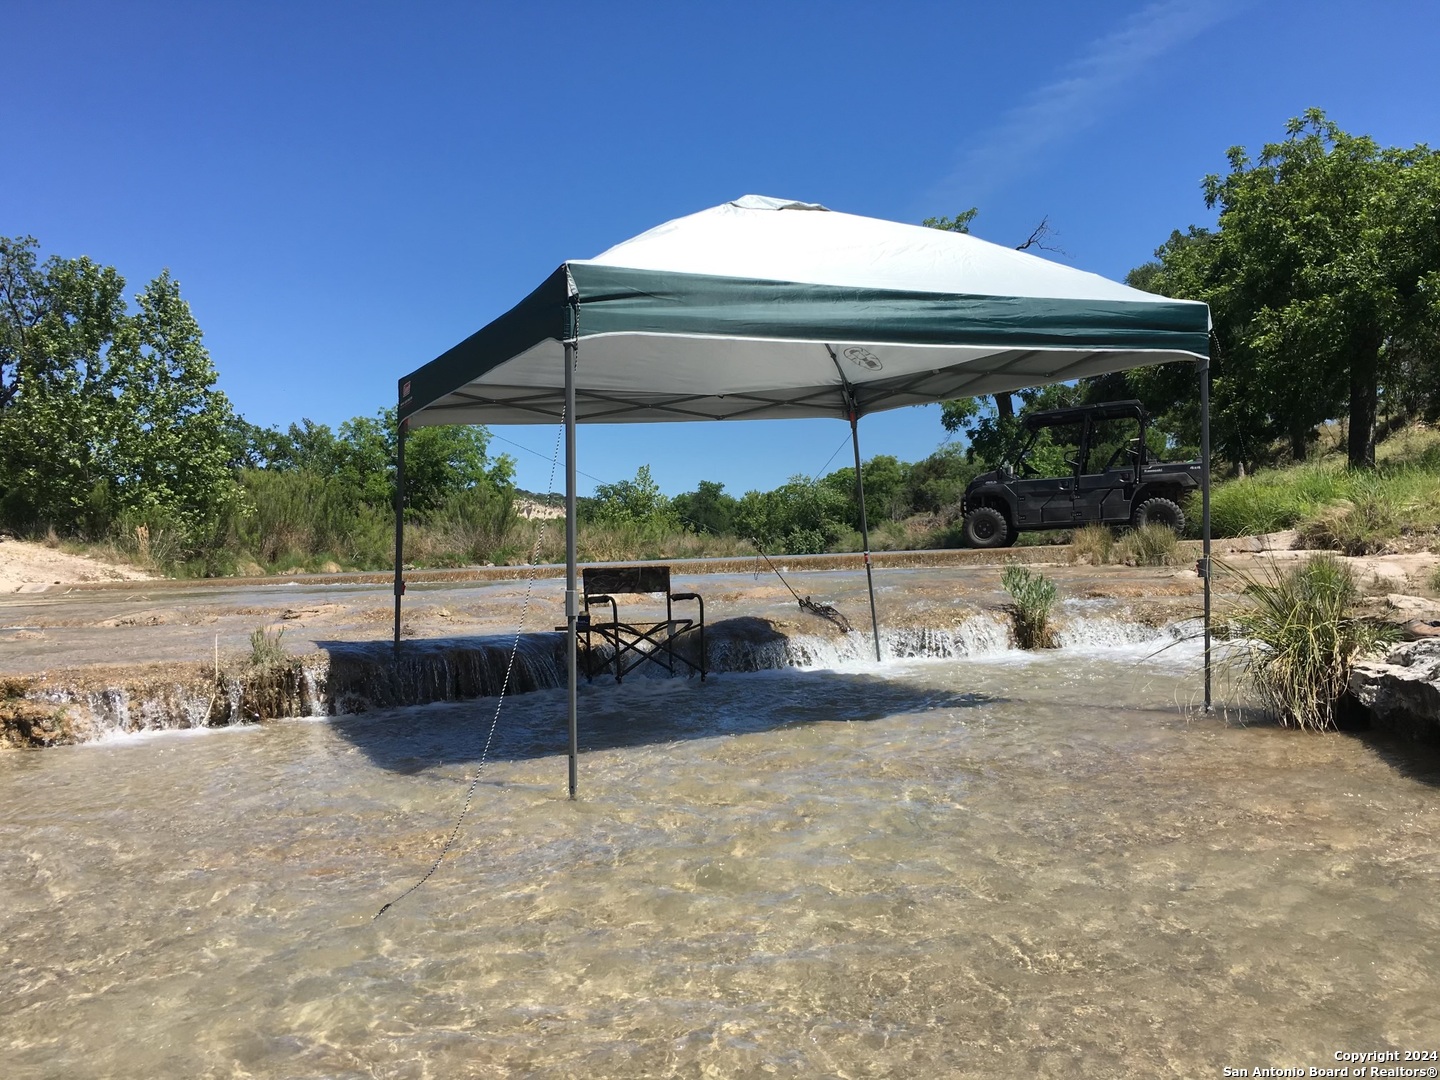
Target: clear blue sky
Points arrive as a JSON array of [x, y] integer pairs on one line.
[[344, 190]]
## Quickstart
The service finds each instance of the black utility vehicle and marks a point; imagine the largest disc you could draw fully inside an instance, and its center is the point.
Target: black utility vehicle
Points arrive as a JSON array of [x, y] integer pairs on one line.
[[1111, 479]]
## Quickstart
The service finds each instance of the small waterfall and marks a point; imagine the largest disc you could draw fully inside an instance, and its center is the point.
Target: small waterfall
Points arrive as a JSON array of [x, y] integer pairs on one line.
[[979, 635], [85, 715], [1104, 632], [368, 675], [1108, 632], [352, 677]]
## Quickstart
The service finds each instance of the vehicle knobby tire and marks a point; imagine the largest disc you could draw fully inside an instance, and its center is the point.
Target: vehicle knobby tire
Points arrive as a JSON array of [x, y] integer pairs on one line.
[[1160, 512], [987, 527]]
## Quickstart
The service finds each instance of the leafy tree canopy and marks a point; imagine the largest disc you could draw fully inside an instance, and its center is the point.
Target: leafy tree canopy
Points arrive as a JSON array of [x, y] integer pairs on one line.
[[634, 502], [441, 463], [1321, 274], [707, 509], [106, 412]]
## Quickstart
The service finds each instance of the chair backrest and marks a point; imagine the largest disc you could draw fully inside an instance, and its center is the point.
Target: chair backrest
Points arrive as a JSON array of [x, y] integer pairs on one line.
[[602, 580]]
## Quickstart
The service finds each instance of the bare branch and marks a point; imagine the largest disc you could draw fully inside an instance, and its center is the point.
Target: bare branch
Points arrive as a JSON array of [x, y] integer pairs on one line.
[[1038, 237]]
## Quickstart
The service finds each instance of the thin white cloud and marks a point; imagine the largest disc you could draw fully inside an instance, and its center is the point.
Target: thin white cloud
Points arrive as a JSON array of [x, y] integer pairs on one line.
[[1059, 111]]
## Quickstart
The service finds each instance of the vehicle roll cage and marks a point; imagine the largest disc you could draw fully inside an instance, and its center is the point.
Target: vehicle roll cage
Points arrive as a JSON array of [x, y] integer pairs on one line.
[[1037, 423]]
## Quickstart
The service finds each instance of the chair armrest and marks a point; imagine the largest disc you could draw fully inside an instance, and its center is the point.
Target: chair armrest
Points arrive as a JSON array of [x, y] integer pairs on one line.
[[684, 596], [614, 607]]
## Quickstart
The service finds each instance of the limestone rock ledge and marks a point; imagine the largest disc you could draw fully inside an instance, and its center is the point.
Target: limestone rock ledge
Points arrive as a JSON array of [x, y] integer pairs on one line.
[[1402, 692]]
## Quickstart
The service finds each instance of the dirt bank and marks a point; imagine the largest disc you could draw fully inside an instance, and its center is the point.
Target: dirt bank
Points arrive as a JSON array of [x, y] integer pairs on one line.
[[28, 567]]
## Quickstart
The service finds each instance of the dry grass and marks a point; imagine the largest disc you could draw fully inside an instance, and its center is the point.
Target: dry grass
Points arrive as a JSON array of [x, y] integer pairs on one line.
[[1152, 545], [1092, 542]]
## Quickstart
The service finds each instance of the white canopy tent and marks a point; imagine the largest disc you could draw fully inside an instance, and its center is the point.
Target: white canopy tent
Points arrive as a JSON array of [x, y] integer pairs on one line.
[[767, 308]]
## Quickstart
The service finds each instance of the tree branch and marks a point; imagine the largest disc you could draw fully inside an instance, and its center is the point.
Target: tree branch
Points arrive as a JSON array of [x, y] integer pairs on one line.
[[1038, 237]]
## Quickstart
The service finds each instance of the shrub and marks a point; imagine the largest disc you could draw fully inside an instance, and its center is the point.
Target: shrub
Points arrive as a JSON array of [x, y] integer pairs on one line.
[[1033, 597], [1151, 545], [1093, 542], [1300, 638], [266, 651]]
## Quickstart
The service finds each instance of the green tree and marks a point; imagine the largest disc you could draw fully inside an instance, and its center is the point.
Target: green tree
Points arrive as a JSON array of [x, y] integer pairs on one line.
[[959, 223], [634, 502], [1323, 263], [886, 489], [102, 411], [307, 446], [707, 509], [996, 439], [800, 517], [441, 463], [445, 462], [170, 428], [939, 482]]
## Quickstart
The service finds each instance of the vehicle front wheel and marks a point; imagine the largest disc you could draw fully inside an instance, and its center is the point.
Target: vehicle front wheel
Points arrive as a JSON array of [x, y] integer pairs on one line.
[[986, 527], [1160, 512]]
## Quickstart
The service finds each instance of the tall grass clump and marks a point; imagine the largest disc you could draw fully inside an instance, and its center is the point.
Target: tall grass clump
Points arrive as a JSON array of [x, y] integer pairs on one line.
[[1355, 511], [1299, 639], [1033, 598], [1093, 542], [266, 650], [297, 517], [1150, 545], [472, 526]]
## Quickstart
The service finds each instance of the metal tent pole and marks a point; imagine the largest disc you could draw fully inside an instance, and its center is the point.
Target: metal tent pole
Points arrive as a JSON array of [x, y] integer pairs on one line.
[[1204, 370], [572, 608], [864, 525], [399, 525]]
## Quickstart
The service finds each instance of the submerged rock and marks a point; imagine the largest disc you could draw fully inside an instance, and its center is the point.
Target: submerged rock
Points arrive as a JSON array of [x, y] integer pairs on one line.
[[1401, 693]]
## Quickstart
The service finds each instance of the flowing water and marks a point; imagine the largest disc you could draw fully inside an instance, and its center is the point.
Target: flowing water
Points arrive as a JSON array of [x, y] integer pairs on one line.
[[997, 865]]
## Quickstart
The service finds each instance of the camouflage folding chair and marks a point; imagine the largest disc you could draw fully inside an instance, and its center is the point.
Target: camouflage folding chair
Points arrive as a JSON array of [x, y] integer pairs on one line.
[[637, 642]]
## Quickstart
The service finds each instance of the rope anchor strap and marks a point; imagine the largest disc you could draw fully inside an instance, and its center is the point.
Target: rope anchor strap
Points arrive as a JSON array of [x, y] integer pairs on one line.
[[825, 611]]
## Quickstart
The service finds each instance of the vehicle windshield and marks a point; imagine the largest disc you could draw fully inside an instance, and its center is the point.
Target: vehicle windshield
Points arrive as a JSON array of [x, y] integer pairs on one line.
[[1050, 451], [1114, 444]]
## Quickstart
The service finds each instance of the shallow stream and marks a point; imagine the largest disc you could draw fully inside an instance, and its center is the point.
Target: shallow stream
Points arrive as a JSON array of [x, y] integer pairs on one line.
[[1001, 865]]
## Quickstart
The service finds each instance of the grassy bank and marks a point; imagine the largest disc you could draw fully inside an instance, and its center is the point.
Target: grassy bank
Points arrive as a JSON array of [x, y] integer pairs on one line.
[[1395, 506], [294, 524]]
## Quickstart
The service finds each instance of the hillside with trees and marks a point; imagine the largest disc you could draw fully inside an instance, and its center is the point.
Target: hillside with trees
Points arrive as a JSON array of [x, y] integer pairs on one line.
[[1321, 269]]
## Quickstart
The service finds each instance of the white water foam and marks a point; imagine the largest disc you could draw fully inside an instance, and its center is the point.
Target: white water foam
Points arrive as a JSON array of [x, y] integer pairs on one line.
[[120, 737], [979, 635], [111, 715]]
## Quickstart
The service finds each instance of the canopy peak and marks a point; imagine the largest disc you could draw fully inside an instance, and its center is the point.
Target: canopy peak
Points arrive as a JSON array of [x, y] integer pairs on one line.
[[769, 202]]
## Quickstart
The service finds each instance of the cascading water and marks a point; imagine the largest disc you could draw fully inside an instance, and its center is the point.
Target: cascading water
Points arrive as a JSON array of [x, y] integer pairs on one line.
[[355, 677]]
